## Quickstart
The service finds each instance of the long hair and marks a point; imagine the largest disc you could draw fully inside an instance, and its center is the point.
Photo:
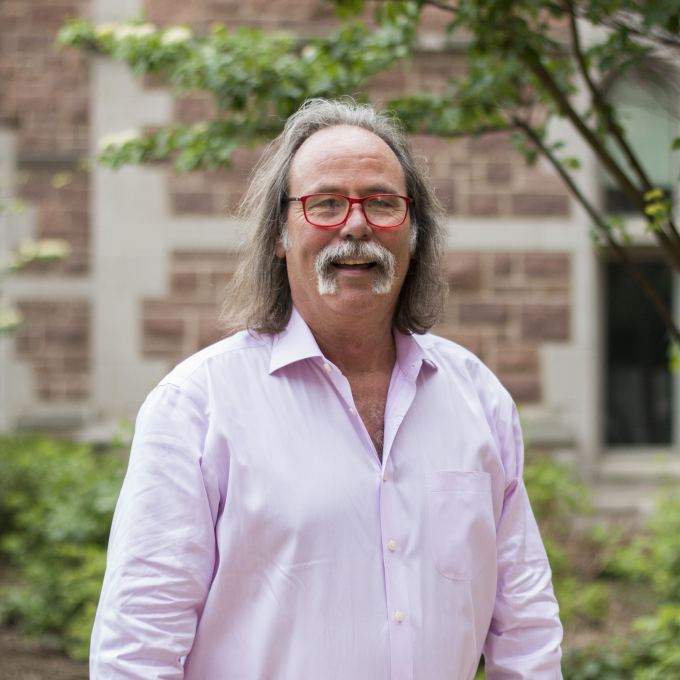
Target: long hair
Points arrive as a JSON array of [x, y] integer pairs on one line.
[[259, 297]]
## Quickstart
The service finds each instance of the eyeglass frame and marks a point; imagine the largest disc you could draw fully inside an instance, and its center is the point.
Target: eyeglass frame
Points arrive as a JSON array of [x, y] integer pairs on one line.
[[352, 201]]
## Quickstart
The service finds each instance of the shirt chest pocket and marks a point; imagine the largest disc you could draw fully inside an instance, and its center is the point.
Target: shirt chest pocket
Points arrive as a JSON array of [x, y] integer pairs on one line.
[[462, 526]]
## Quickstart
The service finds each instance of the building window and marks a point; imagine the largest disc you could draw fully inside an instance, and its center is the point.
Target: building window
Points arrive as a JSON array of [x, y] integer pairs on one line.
[[638, 381], [650, 129]]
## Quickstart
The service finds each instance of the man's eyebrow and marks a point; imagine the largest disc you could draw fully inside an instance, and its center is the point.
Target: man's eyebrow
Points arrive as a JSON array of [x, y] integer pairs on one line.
[[368, 191]]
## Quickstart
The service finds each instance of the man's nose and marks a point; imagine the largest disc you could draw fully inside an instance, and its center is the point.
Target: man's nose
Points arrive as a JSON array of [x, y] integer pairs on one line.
[[356, 225]]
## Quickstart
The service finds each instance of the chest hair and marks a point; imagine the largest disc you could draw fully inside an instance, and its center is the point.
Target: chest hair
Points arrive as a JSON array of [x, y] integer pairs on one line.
[[370, 400]]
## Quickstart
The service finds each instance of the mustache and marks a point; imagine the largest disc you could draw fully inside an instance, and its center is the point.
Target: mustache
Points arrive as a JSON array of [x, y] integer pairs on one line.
[[366, 250]]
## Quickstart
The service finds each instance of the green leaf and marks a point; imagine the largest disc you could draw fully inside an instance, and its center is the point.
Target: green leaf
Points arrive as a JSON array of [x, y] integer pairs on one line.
[[56, 506]]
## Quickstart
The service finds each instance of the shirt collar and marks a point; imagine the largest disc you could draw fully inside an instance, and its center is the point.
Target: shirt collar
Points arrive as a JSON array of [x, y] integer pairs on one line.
[[410, 355], [297, 342], [293, 344]]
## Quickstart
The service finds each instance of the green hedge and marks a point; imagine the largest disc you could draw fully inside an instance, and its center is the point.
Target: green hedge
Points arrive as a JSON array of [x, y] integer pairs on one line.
[[56, 506]]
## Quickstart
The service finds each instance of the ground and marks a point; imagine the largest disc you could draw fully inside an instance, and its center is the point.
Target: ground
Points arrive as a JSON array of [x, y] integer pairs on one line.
[[22, 660]]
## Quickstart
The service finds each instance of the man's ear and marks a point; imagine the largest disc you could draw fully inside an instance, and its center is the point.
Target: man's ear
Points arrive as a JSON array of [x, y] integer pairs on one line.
[[278, 248]]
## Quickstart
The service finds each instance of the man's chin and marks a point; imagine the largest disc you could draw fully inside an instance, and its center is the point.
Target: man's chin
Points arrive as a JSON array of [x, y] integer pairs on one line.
[[353, 291], [372, 282]]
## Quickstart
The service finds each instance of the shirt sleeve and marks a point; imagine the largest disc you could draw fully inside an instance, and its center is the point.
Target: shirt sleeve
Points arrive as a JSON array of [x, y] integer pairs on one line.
[[525, 633], [162, 547]]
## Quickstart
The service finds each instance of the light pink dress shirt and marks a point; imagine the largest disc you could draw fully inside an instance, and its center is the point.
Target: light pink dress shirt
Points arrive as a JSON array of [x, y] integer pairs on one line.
[[258, 537]]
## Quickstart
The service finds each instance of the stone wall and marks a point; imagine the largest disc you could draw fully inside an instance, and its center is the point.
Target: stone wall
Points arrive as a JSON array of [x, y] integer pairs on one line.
[[61, 200], [56, 340], [44, 100], [187, 320], [44, 92], [501, 307]]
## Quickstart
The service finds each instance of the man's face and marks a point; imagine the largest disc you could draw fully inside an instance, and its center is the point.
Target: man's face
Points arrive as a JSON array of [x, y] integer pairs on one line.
[[356, 163]]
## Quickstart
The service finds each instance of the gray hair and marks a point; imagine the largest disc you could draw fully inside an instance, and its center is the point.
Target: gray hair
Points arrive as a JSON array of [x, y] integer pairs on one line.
[[259, 297]]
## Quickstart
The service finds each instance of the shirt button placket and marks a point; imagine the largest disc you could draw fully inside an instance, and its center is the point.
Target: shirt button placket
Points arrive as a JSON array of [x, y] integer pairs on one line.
[[395, 582]]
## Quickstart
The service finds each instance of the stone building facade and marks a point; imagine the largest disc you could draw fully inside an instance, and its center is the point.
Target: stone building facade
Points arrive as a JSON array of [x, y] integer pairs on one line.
[[152, 251]]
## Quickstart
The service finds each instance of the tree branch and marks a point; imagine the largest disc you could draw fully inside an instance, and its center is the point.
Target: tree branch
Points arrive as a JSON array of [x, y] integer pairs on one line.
[[441, 5], [531, 58], [603, 228], [668, 40], [606, 112], [630, 190], [601, 105]]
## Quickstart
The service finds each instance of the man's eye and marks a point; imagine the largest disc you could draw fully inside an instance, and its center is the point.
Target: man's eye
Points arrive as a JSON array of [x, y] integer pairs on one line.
[[330, 203], [383, 202]]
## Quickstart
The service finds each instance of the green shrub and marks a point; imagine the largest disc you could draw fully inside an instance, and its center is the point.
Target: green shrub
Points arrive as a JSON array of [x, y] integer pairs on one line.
[[56, 506], [588, 602], [594, 663], [556, 496], [654, 555]]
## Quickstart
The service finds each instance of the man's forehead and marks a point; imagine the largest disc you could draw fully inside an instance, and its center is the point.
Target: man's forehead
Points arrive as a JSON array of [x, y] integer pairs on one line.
[[350, 136], [349, 145]]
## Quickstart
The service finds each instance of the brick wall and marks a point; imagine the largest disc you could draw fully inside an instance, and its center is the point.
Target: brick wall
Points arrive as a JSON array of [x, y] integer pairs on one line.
[[44, 98], [56, 340], [502, 307], [62, 203], [478, 177], [186, 321], [44, 92], [482, 177]]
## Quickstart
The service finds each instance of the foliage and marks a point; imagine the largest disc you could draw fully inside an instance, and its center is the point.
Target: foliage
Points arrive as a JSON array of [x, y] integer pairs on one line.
[[594, 664], [56, 505], [258, 80], [660, 657], [556, 496], [654, 555], [43, 250], [525, 61]]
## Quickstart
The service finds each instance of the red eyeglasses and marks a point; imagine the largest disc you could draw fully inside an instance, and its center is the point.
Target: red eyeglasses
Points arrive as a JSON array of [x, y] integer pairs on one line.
[[385, 211]]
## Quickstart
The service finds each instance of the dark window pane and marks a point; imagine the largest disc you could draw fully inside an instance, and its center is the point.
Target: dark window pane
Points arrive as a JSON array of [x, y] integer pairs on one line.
[[638, 382], [616, 202]]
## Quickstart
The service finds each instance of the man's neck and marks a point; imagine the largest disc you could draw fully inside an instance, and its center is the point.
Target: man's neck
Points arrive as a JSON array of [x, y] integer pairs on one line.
[[356, 344]]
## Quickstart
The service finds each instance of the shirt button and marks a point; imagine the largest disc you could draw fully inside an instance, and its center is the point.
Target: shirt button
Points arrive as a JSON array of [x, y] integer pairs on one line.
[[385, 476], [392, 546], [328, 367], [399, 616], [352, 411]]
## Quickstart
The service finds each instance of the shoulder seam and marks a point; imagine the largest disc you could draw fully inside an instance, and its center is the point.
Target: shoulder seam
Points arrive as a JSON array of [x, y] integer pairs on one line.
[[183, 391], [213, 356]]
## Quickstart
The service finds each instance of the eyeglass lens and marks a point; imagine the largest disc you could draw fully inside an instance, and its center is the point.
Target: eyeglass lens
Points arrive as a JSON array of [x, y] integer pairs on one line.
[[329, 210]]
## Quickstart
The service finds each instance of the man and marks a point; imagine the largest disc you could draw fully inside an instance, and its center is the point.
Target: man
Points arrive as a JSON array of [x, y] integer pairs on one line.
[[325, 495]]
